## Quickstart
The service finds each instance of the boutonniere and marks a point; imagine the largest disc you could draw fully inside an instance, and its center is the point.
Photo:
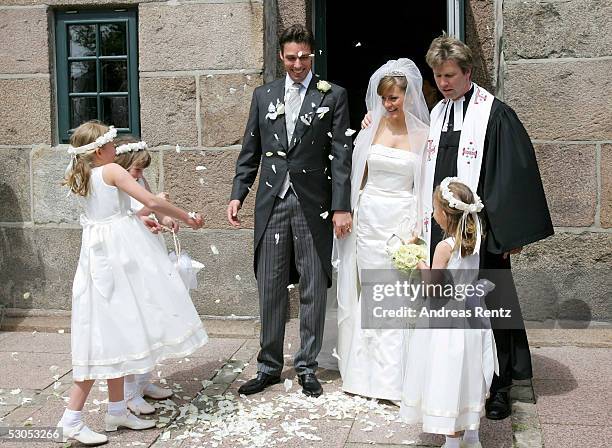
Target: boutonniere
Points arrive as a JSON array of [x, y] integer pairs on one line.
[[323, 86], [275, 111]]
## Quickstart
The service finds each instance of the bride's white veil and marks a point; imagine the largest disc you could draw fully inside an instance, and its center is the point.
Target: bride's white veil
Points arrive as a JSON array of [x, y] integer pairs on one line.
[[343, 300]]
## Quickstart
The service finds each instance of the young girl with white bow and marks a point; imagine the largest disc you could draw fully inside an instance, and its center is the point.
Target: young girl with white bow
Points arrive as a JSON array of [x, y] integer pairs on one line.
[[132, 155], [449, 370], [123, 322]]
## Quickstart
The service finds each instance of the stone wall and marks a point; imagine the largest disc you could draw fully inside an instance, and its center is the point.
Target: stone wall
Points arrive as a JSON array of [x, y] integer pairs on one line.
[[199, 63], [555, 64]]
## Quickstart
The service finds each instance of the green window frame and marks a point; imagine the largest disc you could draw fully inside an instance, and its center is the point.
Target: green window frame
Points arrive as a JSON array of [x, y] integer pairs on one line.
[[89, 45]]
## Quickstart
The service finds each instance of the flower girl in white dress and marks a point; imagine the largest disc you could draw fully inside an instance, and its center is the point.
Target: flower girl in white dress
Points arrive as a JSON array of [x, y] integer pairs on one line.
[[132, 155], [130, 308], [449, 370]]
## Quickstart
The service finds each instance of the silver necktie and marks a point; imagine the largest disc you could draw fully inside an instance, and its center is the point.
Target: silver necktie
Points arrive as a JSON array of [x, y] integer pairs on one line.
[[292, 109]]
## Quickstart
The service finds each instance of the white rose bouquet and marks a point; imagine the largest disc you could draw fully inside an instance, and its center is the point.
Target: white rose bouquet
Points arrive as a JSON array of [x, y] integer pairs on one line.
[[407, 255]]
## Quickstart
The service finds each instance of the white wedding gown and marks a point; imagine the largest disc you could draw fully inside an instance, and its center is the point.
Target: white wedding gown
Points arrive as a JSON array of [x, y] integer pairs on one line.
[[374, 363]]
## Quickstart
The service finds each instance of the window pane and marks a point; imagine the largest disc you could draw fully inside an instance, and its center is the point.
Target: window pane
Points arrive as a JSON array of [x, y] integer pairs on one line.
[[83, 76], [82, 40], [114, 39], [116, 111], [82, 110], [114, 76]]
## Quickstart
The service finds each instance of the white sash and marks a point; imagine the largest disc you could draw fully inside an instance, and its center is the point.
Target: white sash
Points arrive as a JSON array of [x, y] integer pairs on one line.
[[471, 147]]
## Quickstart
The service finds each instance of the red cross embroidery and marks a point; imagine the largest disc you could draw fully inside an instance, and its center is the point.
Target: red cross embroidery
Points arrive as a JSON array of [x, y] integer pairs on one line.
[[431, 149], [480, 97]]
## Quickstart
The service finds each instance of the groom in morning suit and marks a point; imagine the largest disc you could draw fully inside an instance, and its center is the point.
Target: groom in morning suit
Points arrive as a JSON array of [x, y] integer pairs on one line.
[[296, 132]]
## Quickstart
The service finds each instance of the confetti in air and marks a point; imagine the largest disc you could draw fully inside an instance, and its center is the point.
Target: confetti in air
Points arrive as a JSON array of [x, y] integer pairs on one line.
[[324, 215], [214, 249], [349, 132], [177, 148]]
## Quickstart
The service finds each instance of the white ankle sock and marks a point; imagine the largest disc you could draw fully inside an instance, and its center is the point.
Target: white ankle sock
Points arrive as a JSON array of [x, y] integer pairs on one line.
[[130, 387], [471, 436], [71, 418], [453, 442], [144, 378], [138, 400], [117, 408]]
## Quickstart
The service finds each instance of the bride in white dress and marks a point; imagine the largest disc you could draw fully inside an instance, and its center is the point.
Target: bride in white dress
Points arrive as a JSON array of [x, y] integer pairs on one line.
[[384, 180]]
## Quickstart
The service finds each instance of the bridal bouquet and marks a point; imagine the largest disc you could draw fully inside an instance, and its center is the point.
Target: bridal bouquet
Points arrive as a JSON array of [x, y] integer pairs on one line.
[[406, 256]]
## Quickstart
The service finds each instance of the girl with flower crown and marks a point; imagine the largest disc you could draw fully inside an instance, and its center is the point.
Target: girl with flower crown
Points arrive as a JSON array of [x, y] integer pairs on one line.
[[123, 321], [449, 370], [133, 156]]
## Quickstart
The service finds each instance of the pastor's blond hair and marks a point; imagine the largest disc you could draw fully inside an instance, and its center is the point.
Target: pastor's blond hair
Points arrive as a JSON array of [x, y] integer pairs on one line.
[[447, 48]]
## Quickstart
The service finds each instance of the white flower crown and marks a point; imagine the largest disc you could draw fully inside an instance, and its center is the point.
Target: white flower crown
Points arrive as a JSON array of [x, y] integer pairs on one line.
[[108, 137], [129, 147], [453, 202]]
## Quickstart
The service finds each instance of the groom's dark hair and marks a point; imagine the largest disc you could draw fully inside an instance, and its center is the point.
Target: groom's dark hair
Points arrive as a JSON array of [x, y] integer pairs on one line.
[[296, 33]]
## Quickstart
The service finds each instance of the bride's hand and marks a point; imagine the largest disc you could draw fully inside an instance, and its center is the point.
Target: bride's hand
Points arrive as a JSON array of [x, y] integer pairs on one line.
[[343, 222]]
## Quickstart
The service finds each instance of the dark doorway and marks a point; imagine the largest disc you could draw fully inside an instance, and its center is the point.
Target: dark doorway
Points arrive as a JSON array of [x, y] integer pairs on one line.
[[358, 40]]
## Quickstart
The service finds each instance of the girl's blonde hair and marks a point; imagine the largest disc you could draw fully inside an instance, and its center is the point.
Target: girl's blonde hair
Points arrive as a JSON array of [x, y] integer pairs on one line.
[[465, 236], [132, 159], [77, 179]]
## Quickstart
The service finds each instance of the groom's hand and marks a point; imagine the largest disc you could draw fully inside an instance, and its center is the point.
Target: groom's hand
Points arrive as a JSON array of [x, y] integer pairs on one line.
[[232, 212], [367, 120], [343, 222], [513, 252]]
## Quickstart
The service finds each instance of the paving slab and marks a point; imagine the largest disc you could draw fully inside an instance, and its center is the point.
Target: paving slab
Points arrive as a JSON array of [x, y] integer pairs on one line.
[[572, 403], [35, 342], [573, 436], [567, 363], [31, 370]]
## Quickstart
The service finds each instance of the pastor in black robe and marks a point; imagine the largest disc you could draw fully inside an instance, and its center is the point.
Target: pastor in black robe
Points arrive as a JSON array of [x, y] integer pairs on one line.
[[515, 214]]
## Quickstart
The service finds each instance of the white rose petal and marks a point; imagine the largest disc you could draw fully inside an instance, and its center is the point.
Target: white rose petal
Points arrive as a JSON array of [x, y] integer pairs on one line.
[[177, 148], [281, 153], [218, 301], [288, 385], [358, 44], [201, 180], [276, 238], [274, 168], [27, 295], [335, 354], [330, 157], [329, 134], [349, 132], [324, 215], [276, 136], [61, 331], [214, 249], [290, 286], [269, 184], [200, 168], [15, 391], [269, 154], [238, 277]]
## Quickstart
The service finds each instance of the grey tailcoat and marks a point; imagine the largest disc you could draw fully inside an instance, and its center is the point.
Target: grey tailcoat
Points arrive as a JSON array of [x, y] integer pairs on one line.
[[319, 165]]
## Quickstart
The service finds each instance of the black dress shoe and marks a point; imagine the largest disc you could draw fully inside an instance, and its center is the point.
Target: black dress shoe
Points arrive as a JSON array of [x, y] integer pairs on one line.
[[498, 406], [259, 383], [310, 385]]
